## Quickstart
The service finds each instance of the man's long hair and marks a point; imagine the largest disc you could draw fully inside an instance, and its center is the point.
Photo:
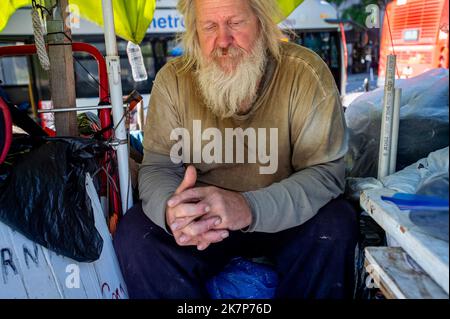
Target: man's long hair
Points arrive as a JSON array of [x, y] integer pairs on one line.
[[267, 12]]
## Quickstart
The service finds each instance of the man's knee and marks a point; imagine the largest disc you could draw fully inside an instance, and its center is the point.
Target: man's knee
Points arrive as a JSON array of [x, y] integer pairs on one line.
[[129, 224], [134, 233], [339, 221], [335, 223]]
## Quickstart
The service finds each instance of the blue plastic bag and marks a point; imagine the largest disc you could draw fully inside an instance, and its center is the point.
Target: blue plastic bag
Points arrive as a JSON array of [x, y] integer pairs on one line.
[[243, 279]]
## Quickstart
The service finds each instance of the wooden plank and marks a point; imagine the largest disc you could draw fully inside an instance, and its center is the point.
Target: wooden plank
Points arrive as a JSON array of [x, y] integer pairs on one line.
[[429, 252], [399, 276], [62, 78]]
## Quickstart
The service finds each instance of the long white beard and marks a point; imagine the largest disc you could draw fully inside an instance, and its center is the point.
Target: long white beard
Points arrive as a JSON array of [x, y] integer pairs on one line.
[[225, 92]]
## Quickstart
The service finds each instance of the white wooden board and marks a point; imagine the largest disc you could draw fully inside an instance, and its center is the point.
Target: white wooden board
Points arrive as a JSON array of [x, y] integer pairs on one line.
[[429, 252], [399, 276], [29, 270]]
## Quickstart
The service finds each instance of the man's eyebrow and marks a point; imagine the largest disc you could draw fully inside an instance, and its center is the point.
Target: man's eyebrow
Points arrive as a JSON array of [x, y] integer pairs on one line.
[[205, 21], [237, 16]]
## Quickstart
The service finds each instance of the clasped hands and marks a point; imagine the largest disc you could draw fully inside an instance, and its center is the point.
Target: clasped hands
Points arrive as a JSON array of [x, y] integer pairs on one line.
[[201, 216]]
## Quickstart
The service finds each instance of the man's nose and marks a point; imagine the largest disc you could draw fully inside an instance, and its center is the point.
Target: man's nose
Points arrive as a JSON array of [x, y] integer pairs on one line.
[[224, 38]]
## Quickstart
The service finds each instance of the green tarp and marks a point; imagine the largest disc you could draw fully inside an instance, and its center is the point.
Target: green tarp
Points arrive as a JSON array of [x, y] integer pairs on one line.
[[7, 9], [287, 6], [131, 17]]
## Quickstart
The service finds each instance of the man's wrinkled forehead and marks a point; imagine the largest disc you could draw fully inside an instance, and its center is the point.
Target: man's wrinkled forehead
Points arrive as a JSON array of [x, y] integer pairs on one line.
[[216, 10]]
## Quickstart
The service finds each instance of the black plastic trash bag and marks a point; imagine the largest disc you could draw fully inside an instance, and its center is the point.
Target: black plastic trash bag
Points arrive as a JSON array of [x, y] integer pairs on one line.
[[44, 195], [21, 145]]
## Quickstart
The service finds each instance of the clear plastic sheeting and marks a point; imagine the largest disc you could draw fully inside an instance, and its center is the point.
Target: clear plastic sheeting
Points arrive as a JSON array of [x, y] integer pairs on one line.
[[436, 222], [424, 123], [428, 176], [435, 185], [409, 180]]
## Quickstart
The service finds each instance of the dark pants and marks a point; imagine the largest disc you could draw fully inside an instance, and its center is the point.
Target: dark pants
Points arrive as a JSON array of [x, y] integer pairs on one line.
[[314, 260]]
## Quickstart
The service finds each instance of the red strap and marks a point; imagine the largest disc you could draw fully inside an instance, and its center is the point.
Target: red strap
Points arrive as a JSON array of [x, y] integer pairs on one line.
[[8, 129]]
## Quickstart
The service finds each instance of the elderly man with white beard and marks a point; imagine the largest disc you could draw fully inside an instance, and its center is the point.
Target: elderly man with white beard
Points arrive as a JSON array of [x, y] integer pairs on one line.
[[205, 198]]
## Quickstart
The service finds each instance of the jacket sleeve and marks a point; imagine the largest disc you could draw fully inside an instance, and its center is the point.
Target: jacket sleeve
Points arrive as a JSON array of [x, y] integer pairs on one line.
[[295, 199], [159, 177]]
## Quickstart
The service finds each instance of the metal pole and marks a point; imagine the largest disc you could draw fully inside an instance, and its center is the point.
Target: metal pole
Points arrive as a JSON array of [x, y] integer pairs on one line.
[[386, 121], [115, 88], [77, 109], [395, 128]]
